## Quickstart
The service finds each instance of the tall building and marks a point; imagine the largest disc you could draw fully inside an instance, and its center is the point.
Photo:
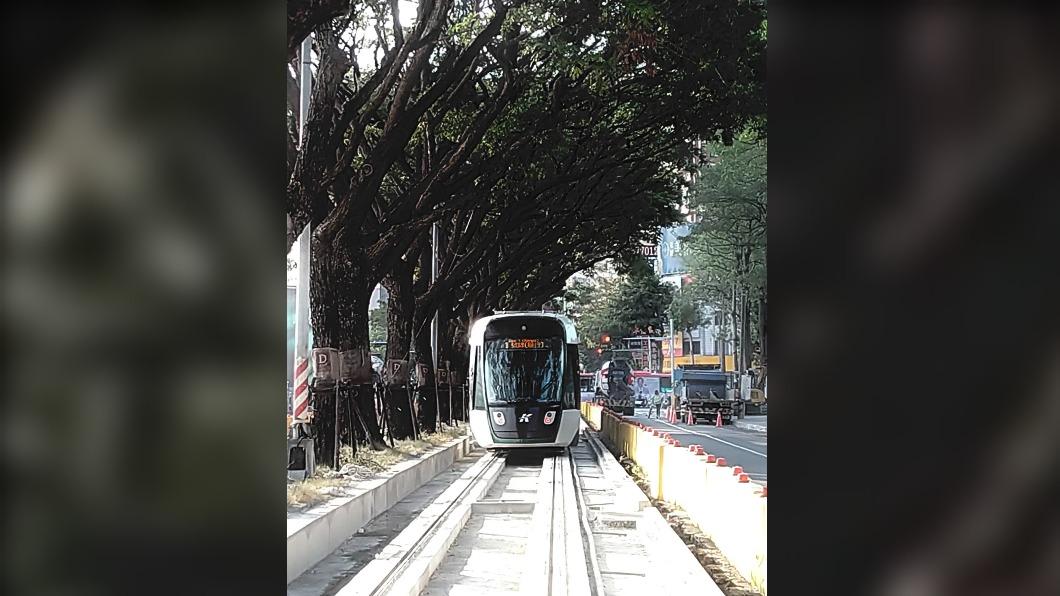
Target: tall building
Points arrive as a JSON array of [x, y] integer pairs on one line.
[[673, 269], [379, 297]]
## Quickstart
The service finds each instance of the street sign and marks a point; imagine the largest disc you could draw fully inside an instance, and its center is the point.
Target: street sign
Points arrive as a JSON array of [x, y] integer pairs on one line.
[[326, 363], [397, 372]]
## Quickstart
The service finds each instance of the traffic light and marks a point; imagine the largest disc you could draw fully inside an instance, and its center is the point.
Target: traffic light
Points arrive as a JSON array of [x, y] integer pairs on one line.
[[599, 351], [605, 339]]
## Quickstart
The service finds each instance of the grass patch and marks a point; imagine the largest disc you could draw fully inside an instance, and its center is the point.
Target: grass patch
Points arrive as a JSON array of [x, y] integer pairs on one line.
[[366, 463]]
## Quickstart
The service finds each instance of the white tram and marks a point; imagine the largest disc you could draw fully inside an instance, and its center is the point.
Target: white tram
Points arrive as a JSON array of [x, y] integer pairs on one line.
[[524, 380]]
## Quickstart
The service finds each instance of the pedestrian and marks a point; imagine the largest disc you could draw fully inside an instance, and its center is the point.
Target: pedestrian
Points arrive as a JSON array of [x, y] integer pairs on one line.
[[656, 404]]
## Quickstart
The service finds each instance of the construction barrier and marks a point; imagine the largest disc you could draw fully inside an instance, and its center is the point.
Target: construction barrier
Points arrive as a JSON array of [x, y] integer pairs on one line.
[[717, 497], [591, 413]]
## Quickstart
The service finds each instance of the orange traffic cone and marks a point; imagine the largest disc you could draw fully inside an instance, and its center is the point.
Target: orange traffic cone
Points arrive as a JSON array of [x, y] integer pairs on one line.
[[690, 420], [717, 422]]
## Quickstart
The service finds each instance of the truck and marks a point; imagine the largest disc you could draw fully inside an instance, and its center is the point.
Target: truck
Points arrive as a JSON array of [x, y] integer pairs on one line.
[[587, 380], [704, 391], [614, 386]]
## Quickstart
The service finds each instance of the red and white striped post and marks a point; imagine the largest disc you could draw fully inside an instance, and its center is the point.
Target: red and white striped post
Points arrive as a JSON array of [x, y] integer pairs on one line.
[[300, 405]]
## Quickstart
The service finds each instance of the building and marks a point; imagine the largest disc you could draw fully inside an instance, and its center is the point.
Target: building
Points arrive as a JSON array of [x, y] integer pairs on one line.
[[698, 346], [379, 297]]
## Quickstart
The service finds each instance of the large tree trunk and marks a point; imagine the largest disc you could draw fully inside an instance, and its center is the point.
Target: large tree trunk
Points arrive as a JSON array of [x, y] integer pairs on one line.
[[444, 359], [459, 358], [303, 16], [426, 403], [399, 319], [426, 391], [339, 300]]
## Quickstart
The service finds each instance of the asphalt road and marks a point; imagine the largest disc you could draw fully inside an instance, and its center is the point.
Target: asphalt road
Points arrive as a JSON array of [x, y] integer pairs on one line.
[[739, 447]]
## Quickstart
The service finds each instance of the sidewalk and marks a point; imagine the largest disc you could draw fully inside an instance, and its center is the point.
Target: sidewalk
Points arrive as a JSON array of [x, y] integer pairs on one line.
[[752, 423]]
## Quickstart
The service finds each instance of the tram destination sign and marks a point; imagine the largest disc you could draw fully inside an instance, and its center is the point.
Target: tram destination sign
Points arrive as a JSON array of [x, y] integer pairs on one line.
[[524, 344]]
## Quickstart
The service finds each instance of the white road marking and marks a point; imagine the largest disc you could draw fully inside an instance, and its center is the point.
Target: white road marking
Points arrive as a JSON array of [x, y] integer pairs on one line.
[[692, 432]]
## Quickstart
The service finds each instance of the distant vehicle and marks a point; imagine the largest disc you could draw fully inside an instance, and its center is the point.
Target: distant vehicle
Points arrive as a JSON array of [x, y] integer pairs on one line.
[[525, 387], [587, 381], [757, 404], [614, 385], [705, 392]]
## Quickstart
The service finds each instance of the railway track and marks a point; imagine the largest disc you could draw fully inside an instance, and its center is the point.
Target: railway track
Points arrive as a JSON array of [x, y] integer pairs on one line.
[[510, 523], [519, 523]]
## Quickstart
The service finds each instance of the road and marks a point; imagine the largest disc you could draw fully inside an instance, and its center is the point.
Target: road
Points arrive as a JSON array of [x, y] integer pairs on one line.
[[739, 447]]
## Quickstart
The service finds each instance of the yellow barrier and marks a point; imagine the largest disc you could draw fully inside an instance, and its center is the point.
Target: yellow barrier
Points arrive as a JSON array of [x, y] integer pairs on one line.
[[730, 512], [591, 413]]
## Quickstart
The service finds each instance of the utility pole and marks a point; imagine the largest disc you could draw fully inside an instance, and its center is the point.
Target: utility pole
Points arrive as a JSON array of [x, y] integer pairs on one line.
[[719, 335], [737, 348], [434, 325], [300, 396], [300, 442], [673, 350]]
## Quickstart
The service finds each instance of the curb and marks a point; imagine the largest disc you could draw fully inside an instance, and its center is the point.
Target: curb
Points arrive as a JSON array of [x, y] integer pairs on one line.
[[315, 534], [426, 557]]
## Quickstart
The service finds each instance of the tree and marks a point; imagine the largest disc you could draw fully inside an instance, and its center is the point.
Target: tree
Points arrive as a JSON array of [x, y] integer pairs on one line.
[[540, 136], [377, 318], [354, 147], [589, 304], [686, 310], [642, 301], [727, 248]]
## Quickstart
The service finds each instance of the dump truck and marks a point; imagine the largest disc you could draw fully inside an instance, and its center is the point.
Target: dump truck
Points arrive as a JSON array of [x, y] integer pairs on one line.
[[705, 391]]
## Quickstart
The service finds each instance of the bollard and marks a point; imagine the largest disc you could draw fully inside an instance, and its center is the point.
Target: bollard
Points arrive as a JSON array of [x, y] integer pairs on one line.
[[737, 470], [743, 478], [711, 458], [721, 462]]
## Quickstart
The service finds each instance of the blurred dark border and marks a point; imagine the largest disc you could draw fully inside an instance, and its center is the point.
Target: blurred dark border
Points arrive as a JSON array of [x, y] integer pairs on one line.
[[144, 165], [914, 291]]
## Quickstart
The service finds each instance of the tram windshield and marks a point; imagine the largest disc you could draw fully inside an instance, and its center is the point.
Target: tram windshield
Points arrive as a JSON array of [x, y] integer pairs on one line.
[[524, 370]]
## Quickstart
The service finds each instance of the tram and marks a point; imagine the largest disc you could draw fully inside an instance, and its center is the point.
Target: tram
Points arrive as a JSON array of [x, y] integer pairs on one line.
[[524, 380]]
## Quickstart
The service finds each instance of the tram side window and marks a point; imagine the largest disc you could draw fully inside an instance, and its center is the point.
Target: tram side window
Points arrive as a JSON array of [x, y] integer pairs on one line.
[[572, 388], [477, 383]]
